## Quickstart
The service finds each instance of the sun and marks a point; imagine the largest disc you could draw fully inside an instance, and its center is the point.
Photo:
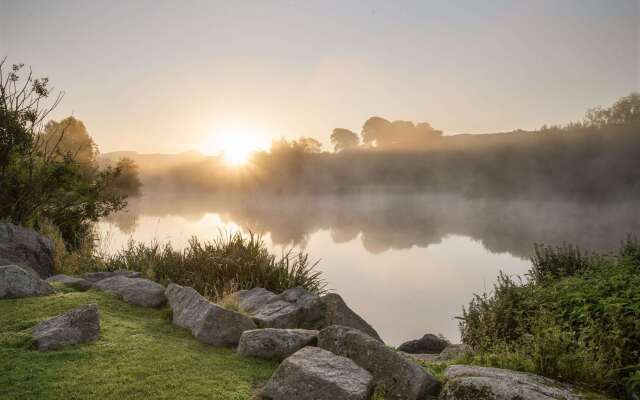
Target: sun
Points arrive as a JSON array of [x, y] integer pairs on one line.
[[234, 144], [237, 152]]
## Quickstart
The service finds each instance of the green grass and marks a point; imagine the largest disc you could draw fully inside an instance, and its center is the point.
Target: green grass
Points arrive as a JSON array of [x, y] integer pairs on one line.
[[140, 355]]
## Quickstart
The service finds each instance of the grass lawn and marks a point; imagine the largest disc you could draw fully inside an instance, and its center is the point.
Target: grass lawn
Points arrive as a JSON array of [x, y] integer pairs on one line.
[[140, 355]]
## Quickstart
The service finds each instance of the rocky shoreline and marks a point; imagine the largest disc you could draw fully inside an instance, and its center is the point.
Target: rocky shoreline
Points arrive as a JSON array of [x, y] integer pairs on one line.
[[325, 350]]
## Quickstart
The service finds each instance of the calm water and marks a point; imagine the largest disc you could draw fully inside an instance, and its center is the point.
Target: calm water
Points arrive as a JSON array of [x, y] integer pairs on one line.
[[406, 263]]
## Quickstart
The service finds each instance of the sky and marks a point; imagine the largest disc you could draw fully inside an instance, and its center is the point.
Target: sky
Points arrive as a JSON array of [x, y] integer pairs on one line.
[[169, 76]]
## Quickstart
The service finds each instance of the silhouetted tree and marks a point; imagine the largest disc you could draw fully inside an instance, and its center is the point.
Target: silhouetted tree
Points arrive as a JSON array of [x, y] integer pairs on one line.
[[71, 138], [374, 129], [624, 111], [128, 182], [343, 139]]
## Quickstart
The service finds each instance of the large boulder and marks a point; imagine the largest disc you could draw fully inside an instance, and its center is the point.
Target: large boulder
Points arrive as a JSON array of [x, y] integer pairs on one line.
[[98, 276], [79, 325], [293, 308], [401, 377], [136, 291], [466, 382], [18, 282], [336, 312], [251, 300], [71, 281], [207, 322], [298, 308], [428, 344], [276, 344], [316, 374], [26, 248]]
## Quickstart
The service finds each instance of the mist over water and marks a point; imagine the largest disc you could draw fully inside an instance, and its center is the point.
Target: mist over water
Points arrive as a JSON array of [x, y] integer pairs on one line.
[[406, 262]]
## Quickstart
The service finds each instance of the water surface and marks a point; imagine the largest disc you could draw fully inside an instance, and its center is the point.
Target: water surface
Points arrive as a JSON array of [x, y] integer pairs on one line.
[[406, 262]]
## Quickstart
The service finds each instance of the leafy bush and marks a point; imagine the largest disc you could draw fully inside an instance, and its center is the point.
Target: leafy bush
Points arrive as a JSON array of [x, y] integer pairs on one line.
[[215, 269], [576, 319], [37, 181]]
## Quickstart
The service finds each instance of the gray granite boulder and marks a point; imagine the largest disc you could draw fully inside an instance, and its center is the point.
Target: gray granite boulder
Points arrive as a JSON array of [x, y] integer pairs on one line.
[[401, 377], [79, 325], [207, 322], [298, 308], [428, 344], [71, 281], [336, 312], [251, 300], [98, 276], [276, 344], [26, 248], [136, 291], [293, 308], [15, 281], [466, 382], [316, 374]]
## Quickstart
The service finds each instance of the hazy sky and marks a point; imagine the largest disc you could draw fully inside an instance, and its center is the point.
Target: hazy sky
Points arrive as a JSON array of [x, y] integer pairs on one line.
[[156, 76]]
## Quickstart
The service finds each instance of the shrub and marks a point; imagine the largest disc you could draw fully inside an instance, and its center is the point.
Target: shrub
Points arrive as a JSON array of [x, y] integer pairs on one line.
[[218, 268], [576, 319]]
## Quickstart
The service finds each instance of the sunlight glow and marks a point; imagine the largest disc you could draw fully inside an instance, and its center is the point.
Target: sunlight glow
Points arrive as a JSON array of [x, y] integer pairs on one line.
[[235, 144]]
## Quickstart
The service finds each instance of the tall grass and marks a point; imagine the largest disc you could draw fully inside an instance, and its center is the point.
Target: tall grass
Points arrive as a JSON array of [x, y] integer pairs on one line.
[[576, 319], [230, 262]]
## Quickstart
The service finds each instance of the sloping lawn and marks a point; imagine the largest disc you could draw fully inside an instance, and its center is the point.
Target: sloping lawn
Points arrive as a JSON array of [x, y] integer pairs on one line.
[[140, 355]]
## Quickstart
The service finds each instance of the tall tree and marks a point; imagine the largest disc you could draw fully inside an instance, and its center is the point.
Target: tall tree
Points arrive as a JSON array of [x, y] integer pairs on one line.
[[343, 139]]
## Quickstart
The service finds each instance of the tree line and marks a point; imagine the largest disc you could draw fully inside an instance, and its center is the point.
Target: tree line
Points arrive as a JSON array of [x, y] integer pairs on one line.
[[592, 159]]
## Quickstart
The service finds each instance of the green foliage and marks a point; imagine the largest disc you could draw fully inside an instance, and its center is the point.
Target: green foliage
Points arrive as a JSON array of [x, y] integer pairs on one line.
[[215, 269], [577, 319], [39, 181], [139, 354]]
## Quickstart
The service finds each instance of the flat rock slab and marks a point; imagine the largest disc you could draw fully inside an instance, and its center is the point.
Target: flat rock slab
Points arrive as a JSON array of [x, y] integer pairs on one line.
[[316, 374], [428, 344], [251, 300], [293, 308], [98, 276], [136, 291], [402, 378], [26, 248], [71, 281], [297, 308], [208, 322], [275, 344], [466, 382], [79, 325], [15, 281]]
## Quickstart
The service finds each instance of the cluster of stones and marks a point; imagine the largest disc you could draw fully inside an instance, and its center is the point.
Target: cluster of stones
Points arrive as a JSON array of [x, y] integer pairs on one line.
[[326, 350]]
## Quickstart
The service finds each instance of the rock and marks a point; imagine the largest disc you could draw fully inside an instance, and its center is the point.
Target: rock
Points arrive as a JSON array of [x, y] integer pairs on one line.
[[276, 344], [453, 351], [72, 281], [80, 325], [15, 281], [316, 374], [250, 300], [428, 344], [26, 248], [136, 291], [338, 313], [293, 308], [207, 322], [402, 378], [466, 382], [298, 308], [98, 276]]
